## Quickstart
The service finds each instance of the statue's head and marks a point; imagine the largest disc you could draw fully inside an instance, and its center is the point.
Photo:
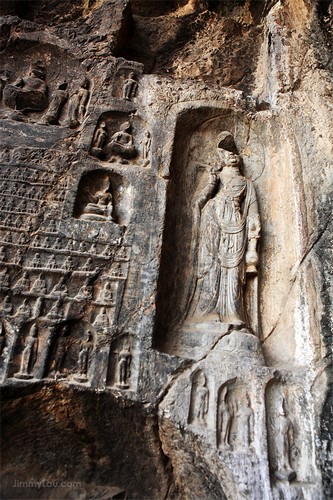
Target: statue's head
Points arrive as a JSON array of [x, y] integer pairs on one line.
[[227, 150]]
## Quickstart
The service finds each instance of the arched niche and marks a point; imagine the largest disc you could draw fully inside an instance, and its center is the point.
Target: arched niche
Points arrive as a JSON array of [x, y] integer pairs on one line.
[[268, 162], [99, 180], [112, 123]]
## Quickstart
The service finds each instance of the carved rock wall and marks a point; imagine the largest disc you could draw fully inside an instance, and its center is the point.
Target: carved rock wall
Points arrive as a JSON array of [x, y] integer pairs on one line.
[[109, 122]]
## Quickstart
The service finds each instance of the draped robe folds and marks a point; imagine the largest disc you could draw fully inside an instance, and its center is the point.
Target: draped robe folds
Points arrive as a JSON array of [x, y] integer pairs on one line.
[[223, 238]]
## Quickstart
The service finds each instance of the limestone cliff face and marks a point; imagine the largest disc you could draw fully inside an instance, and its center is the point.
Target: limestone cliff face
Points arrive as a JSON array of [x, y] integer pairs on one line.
[[120, 379]]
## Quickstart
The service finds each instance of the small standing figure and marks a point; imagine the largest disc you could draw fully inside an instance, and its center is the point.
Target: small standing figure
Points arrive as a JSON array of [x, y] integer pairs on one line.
[[58, 99], [245, 423], [2, 338], [146, 144], [84, 355], [78, 104], [224, 419], [29, 355], [123, 368], [3, 255], [283, 433], [62, 348], [100, 139], [130, 87], [199, 399]]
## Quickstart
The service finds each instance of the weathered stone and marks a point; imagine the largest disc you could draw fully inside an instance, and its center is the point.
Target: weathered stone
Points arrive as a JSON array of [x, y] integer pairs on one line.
[[165, 249]]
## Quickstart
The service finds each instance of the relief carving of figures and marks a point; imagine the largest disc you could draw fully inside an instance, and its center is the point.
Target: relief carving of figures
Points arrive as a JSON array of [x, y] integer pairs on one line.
[[283, 437], [130, 87], [101, 206], [199, 399], [63, 346], [78, 104], [58, 99], [28, 93], [123, 367], [228, 221], [29, 354]]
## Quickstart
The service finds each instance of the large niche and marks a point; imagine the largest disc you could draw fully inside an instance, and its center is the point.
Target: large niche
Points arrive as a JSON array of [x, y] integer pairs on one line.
[[268, 161]]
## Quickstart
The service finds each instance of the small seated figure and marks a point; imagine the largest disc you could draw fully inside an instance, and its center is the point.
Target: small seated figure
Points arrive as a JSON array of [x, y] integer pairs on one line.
[[56, 313], [121, 143], [88, 265], [22, 285], [106, 296], [28, 93], [39, 285], [59, 289], [99, 141], [51, 263], [7, 307], [102, 321], [4, 280], [85, 293], [24, 310], [68, 263], [18, 258], [36, 261], [101, 208]]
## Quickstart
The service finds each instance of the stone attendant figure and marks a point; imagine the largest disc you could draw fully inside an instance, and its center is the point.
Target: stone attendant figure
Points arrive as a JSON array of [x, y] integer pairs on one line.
[[29, 354], [84, 355], [283, 433], [227, 214], [78, 104], [58, 99], [224, 419], [130, 87], [199, 399], [101, 207], [245, 423], [100, 139], [124, 361]]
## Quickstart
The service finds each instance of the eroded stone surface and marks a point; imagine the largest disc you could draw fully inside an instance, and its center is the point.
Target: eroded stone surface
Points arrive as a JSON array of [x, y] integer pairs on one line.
[[166, 318]]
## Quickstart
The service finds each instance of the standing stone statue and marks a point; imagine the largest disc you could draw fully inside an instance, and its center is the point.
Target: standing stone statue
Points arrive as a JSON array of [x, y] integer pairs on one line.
[[283, 435], [78, 104], [199, 400], [130, 87], [245, 422], [229, 227], [224, 419], [124, 361], [29, 354], [58, 99], [100, 140], [84, 355]]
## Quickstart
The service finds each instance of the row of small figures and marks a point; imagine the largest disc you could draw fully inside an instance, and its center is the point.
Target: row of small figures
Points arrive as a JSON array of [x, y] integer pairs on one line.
[[23, 175], [14, 221], [35, 193], [23, 286], [23, 207], [73, 246], [64, 344]]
